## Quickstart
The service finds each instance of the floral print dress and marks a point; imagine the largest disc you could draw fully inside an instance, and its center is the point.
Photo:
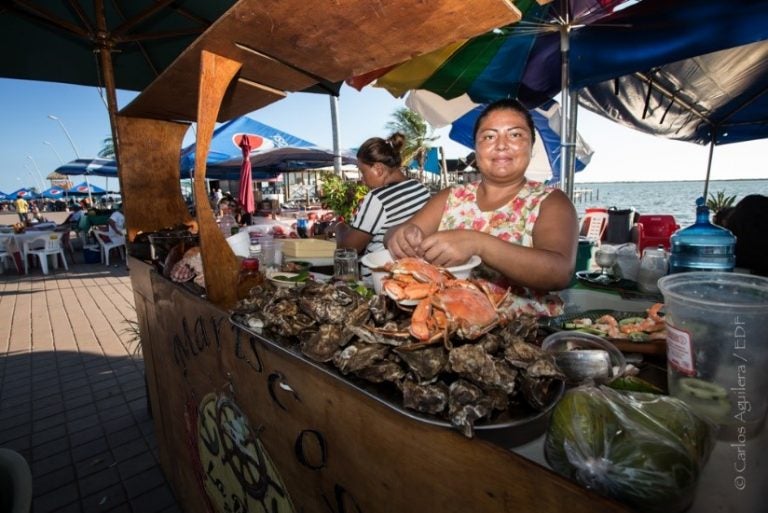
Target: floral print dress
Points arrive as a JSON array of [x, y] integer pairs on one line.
[[513, 223]]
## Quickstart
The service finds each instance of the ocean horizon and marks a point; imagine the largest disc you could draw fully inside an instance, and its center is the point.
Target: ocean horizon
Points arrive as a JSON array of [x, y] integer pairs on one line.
[[677, 198]]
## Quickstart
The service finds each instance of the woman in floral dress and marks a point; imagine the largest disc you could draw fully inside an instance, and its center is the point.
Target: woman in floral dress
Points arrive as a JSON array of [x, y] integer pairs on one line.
[[525, 232]]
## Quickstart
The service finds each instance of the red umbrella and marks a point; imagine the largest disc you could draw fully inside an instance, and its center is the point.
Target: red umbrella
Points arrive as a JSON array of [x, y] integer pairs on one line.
[[245, 194]]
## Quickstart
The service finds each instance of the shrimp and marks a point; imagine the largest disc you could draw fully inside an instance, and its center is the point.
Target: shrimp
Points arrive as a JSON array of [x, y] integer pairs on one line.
[[608, 325]]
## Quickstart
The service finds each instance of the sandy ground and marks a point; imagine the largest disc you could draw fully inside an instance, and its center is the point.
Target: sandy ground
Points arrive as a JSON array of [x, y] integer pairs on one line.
[[11, 218]]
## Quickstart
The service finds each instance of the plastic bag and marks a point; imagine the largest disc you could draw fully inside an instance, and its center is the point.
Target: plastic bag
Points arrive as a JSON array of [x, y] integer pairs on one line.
[[643, 449]]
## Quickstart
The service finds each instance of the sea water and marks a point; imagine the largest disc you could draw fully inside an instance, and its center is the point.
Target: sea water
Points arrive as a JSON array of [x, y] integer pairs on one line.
[[673, 198]]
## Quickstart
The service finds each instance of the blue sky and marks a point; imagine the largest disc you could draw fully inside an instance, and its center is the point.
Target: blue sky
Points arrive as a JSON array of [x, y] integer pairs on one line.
[[620, 153]]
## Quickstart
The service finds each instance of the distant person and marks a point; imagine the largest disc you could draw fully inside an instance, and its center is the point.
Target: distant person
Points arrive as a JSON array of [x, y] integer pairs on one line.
[[748, 221], [116, 225], [22, 209], [392, 200]]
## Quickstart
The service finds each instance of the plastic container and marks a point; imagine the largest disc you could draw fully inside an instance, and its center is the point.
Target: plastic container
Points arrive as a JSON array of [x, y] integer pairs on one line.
[[619, 225], [584, 370], [227, 223], [584, 254], [653, 265], [702, 246], [716, 346]]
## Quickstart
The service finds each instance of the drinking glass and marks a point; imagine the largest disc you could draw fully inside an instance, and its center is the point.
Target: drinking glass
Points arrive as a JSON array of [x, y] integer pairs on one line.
[[345, 264], [605, 257]]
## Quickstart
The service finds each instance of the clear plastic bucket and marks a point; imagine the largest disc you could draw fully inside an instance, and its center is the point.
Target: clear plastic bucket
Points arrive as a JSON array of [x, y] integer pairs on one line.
[[717, 347]]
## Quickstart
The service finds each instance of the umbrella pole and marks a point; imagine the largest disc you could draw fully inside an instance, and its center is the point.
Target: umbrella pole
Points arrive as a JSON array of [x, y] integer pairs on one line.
[[108, 75], [709, 163], [335, 132]]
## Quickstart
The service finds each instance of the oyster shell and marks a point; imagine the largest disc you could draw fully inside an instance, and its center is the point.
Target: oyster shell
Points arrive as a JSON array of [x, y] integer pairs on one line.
[[358, 356], [380, 372], [428, 398], [324, 343], [466, 404], [471, 362], [426, 362]]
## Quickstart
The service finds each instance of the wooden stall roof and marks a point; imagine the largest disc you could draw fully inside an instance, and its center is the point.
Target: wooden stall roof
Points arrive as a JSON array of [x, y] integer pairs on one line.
[[290, 45]]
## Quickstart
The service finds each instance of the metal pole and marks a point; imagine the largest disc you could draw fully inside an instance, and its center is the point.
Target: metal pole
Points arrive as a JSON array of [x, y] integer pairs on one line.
[[565, 99], [35, 182], [39, 175], [709, 162], [335, 131], [77, 153]]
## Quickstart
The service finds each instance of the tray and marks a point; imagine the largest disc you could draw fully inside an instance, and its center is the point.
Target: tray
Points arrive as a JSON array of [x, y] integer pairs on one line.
[[650, 347], [517, 425]]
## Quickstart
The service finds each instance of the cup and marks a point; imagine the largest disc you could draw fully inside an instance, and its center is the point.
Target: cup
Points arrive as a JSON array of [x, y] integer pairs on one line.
[[345, 264], [271, 254], [653, 266], [716, 347]]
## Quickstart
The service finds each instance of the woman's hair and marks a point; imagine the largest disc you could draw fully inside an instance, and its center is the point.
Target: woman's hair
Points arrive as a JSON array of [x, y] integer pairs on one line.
[[386, 151], [510, 104]]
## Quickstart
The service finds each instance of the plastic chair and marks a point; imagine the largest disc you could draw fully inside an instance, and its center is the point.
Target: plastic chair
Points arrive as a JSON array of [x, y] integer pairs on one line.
[[4, 252], [51, 245], [594, 223], [108, 243], [15, 482]]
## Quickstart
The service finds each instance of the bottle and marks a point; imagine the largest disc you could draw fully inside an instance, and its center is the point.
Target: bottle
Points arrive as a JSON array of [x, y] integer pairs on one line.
[[702, 246], [227, 223], [248, 277], [301, 224]]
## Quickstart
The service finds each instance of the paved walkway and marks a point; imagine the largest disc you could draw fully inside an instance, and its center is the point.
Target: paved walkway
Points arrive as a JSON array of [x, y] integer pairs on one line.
[[72, 394]]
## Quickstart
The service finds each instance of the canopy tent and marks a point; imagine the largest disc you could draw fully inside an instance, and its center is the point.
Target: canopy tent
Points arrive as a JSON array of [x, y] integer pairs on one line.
[[24, 192], [225, 144], [82, 189]]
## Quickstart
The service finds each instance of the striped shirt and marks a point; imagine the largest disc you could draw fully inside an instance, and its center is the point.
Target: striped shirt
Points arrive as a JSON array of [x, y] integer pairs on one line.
[[386, 207]]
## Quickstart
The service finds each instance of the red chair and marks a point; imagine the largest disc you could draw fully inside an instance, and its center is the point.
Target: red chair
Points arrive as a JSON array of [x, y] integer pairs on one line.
[[654, 230]]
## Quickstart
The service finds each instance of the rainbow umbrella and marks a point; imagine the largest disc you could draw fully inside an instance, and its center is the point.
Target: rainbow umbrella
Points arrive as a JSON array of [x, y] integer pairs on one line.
[[521, 60]]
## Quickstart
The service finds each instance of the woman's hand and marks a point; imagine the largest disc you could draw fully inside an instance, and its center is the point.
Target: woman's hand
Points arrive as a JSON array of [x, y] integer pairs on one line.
[[449, 248], [406, 242]]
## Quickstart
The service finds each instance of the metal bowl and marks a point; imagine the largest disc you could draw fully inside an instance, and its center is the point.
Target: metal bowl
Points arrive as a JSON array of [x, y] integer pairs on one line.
[[584, 357]]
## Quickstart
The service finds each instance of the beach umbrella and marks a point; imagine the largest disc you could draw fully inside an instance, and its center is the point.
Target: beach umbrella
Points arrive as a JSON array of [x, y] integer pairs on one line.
[[285, 159], [245, 192], [82, 189], [25, 193], [3, 196], [225, 143], [566, 45], [115, 44], [90, 167], [53, 193]]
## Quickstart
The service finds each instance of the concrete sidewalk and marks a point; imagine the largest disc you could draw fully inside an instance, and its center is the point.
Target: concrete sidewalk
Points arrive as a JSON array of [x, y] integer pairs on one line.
[[72, 394]]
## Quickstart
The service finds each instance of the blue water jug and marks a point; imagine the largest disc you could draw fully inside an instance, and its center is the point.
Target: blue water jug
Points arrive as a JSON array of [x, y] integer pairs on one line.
[[702, 246]]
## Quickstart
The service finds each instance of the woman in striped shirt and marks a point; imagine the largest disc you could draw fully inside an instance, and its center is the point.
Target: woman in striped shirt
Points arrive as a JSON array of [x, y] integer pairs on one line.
[[393, 197]]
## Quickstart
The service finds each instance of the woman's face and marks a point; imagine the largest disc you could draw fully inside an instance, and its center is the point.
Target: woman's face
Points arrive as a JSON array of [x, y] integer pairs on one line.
[[503, 146], [371, 174]]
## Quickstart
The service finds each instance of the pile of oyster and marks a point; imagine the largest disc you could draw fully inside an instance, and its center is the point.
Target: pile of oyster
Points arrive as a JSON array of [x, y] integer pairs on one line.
[[459, 381]]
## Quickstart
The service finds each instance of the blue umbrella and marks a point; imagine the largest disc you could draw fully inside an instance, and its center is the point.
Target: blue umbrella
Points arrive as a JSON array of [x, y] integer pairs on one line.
[[225, 143], [91, 167], [81, 189], [53, 193], [3, 196], [24, 193]]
